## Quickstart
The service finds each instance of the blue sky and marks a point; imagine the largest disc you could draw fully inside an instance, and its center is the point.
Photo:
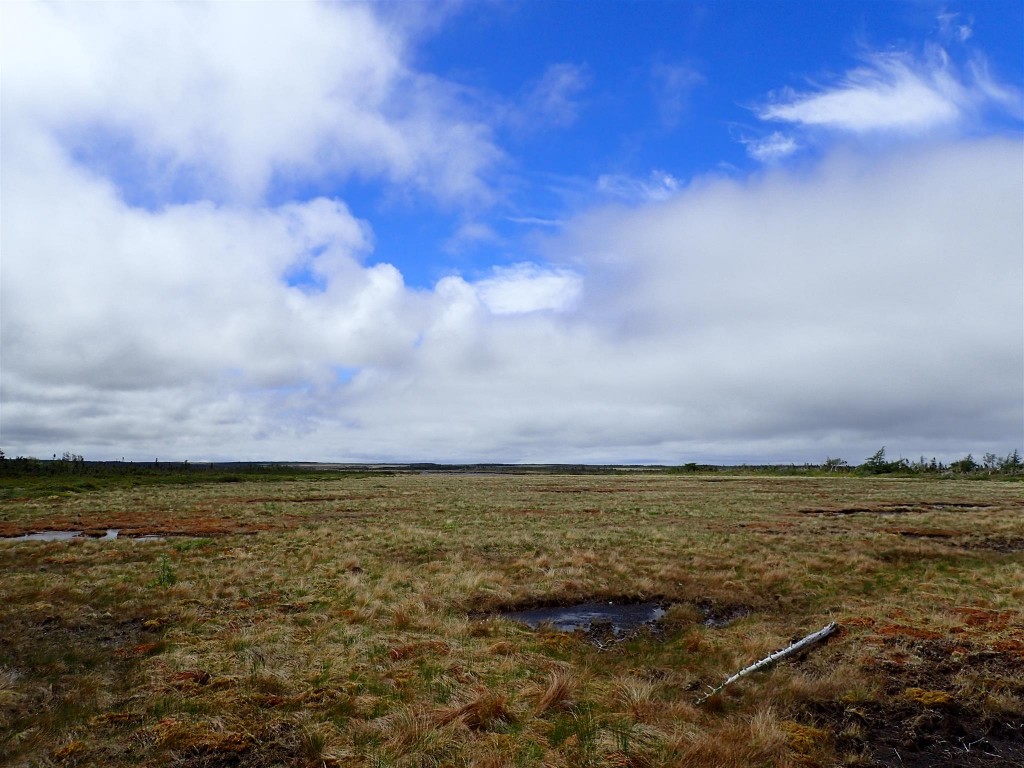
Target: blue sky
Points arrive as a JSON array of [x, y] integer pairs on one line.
[[512, 231], [663, 87]]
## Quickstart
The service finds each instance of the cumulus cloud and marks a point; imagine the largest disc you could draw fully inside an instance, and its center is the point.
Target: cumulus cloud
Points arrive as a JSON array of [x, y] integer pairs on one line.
[[147, 285], [123, 297], [785, 316], [894, 92], [529, 288], [224, 104], [830, 304], [791, 316]]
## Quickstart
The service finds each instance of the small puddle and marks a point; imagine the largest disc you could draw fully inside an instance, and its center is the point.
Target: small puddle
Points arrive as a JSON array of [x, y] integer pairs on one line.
[[46, 536], [622, 618], [110, 535]]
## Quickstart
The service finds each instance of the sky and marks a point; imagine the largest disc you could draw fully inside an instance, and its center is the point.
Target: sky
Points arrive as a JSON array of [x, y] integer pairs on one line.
[[525, 231]]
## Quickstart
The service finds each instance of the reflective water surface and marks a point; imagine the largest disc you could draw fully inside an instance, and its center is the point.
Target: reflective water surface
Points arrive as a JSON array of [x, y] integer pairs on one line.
[[47, 536], [622, 617], [110, 535]]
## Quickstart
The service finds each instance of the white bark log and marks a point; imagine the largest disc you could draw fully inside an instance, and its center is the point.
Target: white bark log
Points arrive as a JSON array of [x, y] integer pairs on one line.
[[771, 658]]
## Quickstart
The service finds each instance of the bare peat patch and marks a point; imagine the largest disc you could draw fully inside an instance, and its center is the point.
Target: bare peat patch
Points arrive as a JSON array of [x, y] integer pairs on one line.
[[899, 508], [1002, 543], [718, 616], [925, 720], [996, 543]]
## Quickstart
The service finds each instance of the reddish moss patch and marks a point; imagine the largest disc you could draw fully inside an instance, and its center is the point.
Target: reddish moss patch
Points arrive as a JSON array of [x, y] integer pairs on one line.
[[190, 678], [417, 650], [138, 650], [983, 617], [899, 630]]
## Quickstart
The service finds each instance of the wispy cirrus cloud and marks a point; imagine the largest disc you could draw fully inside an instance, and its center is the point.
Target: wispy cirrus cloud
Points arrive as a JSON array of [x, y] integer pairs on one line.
[[554, 99], [895, 92], [672, 85], [470, 234], [954, 26], [658, 185], [772, 148]]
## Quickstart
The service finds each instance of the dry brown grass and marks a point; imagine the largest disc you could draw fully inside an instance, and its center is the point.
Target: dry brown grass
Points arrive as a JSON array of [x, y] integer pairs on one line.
[[343, 621], [559, 693]]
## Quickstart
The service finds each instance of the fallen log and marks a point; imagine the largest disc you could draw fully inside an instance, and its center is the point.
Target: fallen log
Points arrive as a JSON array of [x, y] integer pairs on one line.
[[771, 658]]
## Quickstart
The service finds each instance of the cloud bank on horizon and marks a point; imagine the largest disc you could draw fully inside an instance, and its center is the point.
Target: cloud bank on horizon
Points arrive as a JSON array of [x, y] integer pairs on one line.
[[321, 231]]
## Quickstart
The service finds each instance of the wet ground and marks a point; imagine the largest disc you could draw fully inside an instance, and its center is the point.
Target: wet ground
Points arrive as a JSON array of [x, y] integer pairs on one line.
[[900, 508], [112, 533], [46, 536], [932, 715], [606, 621], [620, 618]]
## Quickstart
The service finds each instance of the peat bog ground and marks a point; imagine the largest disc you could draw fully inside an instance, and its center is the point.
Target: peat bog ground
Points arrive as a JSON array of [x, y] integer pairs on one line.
[[341, 620]]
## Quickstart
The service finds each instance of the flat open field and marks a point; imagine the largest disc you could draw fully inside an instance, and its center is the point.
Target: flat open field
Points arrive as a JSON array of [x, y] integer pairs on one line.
[[344, 620]]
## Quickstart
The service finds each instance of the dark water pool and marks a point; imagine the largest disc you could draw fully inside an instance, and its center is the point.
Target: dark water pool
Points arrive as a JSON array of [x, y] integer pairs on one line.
[[623, 618]]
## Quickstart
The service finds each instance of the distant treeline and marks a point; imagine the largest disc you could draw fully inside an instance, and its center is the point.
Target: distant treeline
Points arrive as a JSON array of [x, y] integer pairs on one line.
[[27, 476], [990, 465], [74, 464], [75, 467]]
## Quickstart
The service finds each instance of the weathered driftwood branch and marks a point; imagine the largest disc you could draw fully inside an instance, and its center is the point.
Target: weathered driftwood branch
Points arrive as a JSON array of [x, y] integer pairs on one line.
[[771, 658]]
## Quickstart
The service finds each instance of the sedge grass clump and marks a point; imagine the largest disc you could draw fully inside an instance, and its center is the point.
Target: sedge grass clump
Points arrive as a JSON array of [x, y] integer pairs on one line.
[[483, 710], [636, 697], [559, 694]]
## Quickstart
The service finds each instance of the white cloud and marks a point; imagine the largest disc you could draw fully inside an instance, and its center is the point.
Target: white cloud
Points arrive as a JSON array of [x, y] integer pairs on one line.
[[535, 221], [868, 303], [231, 101], [951, 27], [470, 234], [896, 93], [529, 288], [772, 148], [672, 85], [554, 98], [659, 185], [97, 292], [785, 317]]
